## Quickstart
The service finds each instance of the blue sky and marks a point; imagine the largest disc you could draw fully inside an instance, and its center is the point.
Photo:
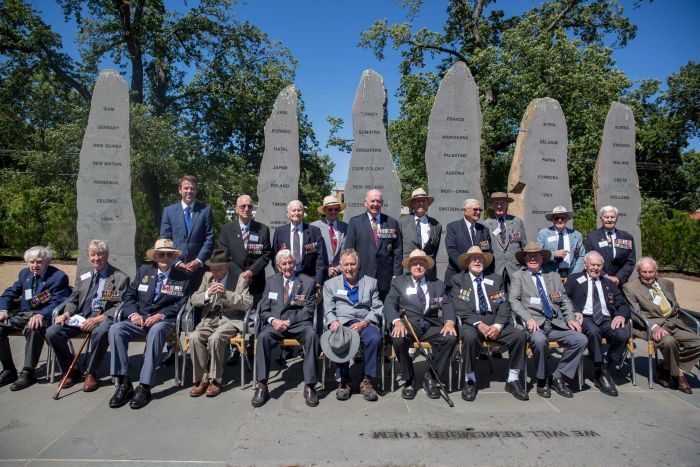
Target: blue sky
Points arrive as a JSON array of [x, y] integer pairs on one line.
[[323, 37]]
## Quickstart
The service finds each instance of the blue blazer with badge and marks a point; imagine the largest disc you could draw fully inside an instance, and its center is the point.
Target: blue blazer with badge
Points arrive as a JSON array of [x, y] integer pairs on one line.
[[548, 238], [458, 240], [577, 290], [302, 300], [623, 263], [313, 261], [199, 242], [54, 281], [139, 296]]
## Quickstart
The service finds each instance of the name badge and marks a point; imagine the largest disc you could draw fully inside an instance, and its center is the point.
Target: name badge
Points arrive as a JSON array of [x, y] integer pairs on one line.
[[143, 287], [581, 279], [554, 238], [535, 301], [342, 292], [411, 291], [87, 275], [488, 281], [253, 238], [28, 294], [496, 232], [272, 295], [657, 300], [602, 244]]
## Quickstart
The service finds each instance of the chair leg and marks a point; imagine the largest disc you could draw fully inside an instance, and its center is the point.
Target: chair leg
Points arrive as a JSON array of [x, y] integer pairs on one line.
[[50, 362], [580, 375], [651, 351], [323, 372], [242, 362], [393, 379]]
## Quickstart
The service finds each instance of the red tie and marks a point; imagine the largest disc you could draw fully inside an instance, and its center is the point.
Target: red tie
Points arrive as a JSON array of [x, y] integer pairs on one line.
[[334, 239], [375, 231]]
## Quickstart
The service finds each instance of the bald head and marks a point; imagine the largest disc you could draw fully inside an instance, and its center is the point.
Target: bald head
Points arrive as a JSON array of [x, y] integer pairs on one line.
[[295, 211], [374, 202]]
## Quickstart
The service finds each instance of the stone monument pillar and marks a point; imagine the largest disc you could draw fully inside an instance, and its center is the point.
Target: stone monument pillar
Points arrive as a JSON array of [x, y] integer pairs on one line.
[[539, 178], [105, 211], [452, 156], [371, 165], [278, 182], [615, 179]]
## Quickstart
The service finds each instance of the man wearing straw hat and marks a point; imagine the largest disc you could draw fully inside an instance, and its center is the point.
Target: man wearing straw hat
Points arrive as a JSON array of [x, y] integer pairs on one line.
[[333, 232], [564, 244], [418, 230], [507, 236]]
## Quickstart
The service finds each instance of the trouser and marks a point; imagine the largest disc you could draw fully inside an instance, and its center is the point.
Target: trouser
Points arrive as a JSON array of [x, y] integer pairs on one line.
[[269, 338], [680, 349], [371, 338], [617, 339], [121, 333], [208, 343], [574, 345], [57, 336], [514, 339], [440, 355], [34, 341]]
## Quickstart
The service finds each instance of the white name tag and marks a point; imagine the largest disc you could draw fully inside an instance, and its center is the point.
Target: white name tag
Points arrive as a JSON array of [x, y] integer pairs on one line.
[[581, 279], [657, 300], [87, 275], [143, 287], [602, 244], [535, 301], [253, 238], [488, 281], [496, 232], [342, 292], [554, 238], [28, 294], [411, 291], [272, 295]]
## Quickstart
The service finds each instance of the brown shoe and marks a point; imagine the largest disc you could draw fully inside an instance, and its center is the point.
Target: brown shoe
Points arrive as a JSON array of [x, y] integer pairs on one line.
[[367, 390], [71, 379], [199, 388], [90, 383], [214, 389], [664, 376], [683, 385]]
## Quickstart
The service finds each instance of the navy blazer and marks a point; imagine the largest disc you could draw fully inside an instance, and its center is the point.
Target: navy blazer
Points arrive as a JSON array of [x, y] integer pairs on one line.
[[463, 299], [411, 242], [622, 265], [54, 281], [381, 261], [614, 299], [458, 240], [139, 295], [301, 307], [199, 243], [314, 260], [399, 300], [255, 258]]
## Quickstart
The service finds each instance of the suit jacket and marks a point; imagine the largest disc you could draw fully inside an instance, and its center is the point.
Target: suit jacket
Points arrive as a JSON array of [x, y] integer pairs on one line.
[[337, 305], [642, 302], [200, 241], [504, 253], [548, 238], [381, 261], [313, 261], [463, 300], [458, 240], [523, 290], [237, 298], [407, 225], [139, 296], [614, 299], [116, 281], [54, 282], [399, 299], [341, 232], [255, 259], [296, 311], [622, 265]]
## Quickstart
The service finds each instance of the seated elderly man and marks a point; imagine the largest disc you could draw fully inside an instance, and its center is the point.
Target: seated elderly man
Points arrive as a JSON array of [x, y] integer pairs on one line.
[[90, 308], [539, 301], [151, 304], [223, 309], [352, 300], [565, 244], [39, 288], [654, 298], [421, 300], [602, 311], [287, 310], [480, 302]]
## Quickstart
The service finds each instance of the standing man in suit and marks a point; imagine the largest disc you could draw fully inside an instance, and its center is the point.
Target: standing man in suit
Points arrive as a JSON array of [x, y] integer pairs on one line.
[[333, 232], [421, 300], [151, 304], [654, 298], [287, 311], [95, 299], [463, 234], [616, 246], [480, 302], [377, 239], [420, 231], [564, 244], [540, 302], [507, 236], [602, 311], [223, 304], [39, 288]]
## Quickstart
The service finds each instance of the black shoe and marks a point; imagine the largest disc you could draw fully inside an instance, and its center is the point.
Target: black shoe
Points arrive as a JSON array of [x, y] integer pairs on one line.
[[515, 388], [469, 391], [543, 390], [261, 396], [232, 357], [8, 377], [141, 398], [122, 394], [310, 396], [408, 392], [24, 380], [561, 387], [496, 354], [430, 387], [287, 353], [605, 383]]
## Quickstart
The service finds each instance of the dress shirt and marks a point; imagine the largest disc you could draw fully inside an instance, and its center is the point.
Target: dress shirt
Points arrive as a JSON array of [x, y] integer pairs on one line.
[[353, 292], [567, 245], [483, 289], [291, 287], [588, 308], [424, 230]]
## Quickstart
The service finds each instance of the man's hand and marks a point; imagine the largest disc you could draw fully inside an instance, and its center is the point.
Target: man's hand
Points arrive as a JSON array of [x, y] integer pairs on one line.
[[247, 275], [359, 326], [561, 254], [153, 319], [181, 266], [532, 325], [194, 265], [579, 317], [614, 279], [334, 325], [279, 325], [136, 319], [448, 328], [494, 332], [332, 272], [658, 333], [4, 315], [618, 322], [215, 288], [573, 325], [61, 319], [483, 328], [92, 323], [399, 330], [36, 321]]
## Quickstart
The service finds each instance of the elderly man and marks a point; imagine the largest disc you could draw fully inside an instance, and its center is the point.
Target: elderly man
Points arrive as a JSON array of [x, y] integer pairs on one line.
[[377, 239], [286, 311], [223, 306], [507, 236], [480, 302], [39, 288], [352, 300], [333, 231], [564, 244], [602, 311], [420, 231], [421, 301], [616, 246], [95, 299], [654, 298], [463, 234], [151, 304], [539, 301]]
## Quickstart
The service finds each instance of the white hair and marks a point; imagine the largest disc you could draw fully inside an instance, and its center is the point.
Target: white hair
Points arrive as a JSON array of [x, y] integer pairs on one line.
[[592, 254], [283, 254], [38, 252], [470, 202], [99, 245], [605, 209], [293, 202], [647, 259]]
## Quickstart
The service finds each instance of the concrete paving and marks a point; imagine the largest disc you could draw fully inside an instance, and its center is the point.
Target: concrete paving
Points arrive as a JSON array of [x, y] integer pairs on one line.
[[640, 427]]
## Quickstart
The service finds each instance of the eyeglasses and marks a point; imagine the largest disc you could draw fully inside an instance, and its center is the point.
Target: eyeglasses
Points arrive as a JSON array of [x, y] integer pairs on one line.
[[475, 209], [245, 206], [560, 218], [332, 209], [165, 254]]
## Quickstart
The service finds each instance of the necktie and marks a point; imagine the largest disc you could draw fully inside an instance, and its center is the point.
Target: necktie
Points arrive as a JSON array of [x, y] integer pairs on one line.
[[94, 292], [35, 285], [663, 304], [560, 246], [421, 296], [611, 243], [419, 234], [286, 291], [375, 231], [296, 248], [472, 230], [597, 307], [159, 285], [502, 226], [89, 303], [334, 239], [483, 304], [546, 307], [188, 219], [245, 235]]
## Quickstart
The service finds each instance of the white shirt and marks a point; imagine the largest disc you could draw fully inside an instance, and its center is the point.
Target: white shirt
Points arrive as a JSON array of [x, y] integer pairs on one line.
[[291, 287], [378, 218], [588, 308], [293, 237], [424, 229], [613, 234], [567, 244], [476, 297]]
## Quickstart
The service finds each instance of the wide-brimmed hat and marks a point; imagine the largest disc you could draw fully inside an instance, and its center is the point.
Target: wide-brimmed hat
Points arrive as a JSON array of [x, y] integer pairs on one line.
[[162, 244], [330, 200], [218, 258], [559, 210], [419, 193], [463, 260], [533, 247], [340, 346], [500, 195], [418, 254]]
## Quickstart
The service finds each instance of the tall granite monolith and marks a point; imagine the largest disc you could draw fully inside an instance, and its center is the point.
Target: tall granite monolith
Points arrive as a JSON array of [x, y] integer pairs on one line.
[[105, 210]]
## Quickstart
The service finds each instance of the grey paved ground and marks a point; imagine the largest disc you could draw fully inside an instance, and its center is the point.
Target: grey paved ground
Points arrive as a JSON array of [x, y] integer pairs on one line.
[[641, 427]]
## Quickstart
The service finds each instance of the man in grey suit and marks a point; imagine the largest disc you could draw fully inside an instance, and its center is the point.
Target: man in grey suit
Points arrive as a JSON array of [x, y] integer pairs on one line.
[[565, 244], [539, 301], [420, 231], [507, 236], [286, 311], [333, 232]]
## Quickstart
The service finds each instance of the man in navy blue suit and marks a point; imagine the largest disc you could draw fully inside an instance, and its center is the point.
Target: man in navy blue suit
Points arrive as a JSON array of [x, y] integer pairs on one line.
[[40, 288], [614, 245], [463, 234]]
